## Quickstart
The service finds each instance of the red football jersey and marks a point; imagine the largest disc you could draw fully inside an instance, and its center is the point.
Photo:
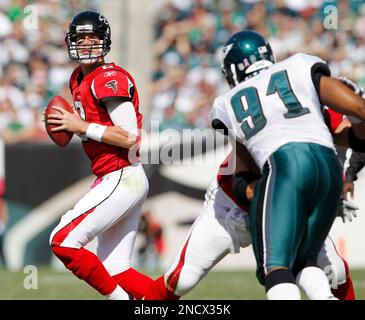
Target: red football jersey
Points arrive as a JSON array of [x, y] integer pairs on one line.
[[332, 119], [225, 181], [89, 94]]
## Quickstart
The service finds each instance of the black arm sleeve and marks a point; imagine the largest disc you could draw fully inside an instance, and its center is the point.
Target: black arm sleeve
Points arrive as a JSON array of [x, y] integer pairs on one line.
[[239, 185], [120, 99], [356, 163], [219, 125], [104, 101], [317, 71]]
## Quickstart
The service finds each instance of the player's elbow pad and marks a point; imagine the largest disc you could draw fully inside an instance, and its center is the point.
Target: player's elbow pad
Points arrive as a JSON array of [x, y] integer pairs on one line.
[[240, 183], [355, 143]]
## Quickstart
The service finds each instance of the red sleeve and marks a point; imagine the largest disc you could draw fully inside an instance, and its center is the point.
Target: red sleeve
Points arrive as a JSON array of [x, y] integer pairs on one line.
[[111, 84], [332, 119]]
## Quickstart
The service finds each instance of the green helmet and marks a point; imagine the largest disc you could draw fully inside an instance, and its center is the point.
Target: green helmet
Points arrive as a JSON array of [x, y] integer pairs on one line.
[[244, 54]]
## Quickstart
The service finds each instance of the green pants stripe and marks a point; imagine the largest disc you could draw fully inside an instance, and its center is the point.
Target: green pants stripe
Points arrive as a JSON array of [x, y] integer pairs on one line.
[[294, 206]]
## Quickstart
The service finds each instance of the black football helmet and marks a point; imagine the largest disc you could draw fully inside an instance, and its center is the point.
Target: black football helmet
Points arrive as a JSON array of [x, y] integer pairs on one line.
[[93, 23]]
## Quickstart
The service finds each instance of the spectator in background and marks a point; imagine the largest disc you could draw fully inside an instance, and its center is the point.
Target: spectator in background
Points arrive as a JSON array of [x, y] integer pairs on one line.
[[190, 36], [3, 222], [152, 247], [33, 63], [3, 204]]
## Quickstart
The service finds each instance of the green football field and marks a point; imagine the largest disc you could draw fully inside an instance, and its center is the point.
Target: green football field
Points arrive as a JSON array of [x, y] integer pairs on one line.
[[63, 285]]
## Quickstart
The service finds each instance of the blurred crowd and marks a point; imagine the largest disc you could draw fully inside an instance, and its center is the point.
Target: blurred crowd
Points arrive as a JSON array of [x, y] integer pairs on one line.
[[189, 35], [34, 63]]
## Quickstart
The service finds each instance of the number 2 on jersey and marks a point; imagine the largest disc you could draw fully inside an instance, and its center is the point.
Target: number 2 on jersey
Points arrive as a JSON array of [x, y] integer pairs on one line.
[[279, 83]]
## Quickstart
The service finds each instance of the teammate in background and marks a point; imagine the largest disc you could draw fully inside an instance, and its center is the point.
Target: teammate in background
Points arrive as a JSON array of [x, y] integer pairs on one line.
[[153, 243], [275, 111], [220, 229], [107, 119]]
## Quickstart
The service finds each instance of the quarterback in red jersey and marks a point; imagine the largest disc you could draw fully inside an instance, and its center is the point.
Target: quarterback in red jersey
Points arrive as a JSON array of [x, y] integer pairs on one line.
[[107, 119]]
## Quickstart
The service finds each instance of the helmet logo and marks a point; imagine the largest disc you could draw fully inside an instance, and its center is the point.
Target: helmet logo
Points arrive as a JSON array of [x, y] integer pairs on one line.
[[113, 84], [226, 50], [103, 19]]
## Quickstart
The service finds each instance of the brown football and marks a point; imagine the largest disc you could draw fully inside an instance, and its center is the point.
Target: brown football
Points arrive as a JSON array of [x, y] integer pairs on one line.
[[61, 138]]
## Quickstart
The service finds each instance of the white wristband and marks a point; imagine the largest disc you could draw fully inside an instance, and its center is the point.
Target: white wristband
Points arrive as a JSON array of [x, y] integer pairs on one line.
[[95, 131]]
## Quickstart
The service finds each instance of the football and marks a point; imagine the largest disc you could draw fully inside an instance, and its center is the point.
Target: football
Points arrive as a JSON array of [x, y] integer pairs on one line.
[[61, 138]]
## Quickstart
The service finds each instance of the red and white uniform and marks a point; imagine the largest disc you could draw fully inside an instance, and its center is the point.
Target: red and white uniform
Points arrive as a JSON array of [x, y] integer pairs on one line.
[[222, 228], [111, 209], [103, 84]]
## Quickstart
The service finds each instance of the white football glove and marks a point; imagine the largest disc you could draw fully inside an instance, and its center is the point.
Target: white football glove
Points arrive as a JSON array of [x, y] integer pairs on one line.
[[347, 209], [236, 219], [353, 86], [238, 225]]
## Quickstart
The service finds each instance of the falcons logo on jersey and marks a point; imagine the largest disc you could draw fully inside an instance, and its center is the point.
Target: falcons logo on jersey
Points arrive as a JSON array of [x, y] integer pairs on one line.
[[113, 84]]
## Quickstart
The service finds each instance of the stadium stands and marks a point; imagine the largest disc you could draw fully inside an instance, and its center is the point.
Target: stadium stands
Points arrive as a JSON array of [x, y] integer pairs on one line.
[[190, 34]]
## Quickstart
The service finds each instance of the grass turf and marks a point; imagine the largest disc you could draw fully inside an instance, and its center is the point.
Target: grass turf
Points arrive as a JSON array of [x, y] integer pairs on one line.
[[238, 285]]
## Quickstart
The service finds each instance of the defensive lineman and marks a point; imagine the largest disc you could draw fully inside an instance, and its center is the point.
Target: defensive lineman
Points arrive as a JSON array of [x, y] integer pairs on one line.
[[275, 111], [222, 228]]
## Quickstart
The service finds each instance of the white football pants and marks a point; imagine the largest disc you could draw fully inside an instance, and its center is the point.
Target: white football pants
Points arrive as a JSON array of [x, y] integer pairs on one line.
[[110, 211], [219, 230]]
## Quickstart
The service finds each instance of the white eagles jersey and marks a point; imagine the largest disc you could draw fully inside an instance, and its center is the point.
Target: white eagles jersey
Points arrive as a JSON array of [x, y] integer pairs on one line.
[[277, 106]]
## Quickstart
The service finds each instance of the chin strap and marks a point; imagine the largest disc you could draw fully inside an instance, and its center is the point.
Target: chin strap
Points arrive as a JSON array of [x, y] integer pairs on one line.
[[87, 61]]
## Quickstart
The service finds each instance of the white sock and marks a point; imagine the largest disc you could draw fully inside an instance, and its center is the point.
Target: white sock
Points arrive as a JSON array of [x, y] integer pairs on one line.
[[118, 294], [315, 284], [284, 291]]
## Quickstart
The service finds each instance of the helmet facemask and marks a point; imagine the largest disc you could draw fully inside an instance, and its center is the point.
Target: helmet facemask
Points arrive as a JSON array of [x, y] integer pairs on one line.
[[95, 50]]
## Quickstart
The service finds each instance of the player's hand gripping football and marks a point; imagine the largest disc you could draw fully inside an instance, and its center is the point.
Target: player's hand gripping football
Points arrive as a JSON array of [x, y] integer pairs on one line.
[[67, 121]]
